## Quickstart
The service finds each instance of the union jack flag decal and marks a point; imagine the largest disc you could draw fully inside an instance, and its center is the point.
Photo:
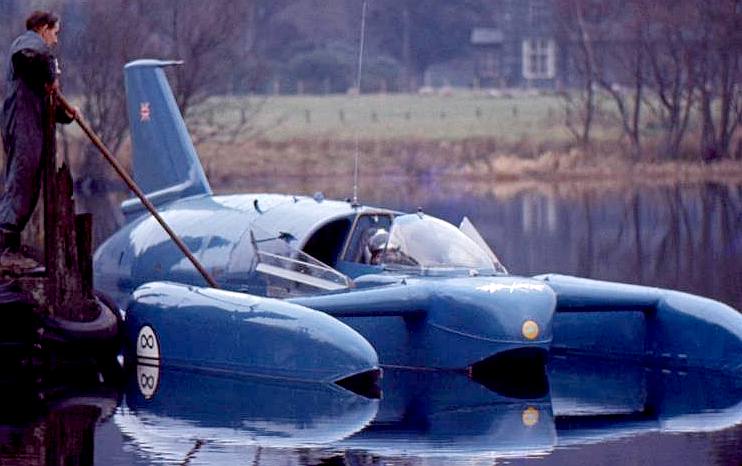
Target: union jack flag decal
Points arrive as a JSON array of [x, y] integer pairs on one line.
[[144, 111]]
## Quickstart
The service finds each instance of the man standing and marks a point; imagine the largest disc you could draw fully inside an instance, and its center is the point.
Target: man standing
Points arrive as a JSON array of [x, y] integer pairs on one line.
[[32, 72]]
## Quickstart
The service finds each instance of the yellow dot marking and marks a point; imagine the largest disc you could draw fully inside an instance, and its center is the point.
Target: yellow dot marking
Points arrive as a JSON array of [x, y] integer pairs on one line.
[[530, 330], [530, 416]]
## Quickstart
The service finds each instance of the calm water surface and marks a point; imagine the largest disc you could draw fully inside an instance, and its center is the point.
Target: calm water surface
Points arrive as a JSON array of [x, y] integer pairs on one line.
[[686, 237]]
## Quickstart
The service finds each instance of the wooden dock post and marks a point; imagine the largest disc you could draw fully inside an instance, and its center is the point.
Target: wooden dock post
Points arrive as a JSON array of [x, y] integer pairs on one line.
[[54, 323], [68, 290]]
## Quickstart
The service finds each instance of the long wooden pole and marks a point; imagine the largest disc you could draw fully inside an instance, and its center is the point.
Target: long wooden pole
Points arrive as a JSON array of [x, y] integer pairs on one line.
[[133, 187]]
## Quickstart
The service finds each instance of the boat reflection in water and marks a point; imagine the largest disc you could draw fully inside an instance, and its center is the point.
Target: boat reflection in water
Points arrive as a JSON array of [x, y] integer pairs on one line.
[[437, 413], [593, 400], [420, 414], [174, 414]]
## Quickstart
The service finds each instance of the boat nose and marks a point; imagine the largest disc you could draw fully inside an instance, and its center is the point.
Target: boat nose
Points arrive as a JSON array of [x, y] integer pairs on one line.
[[509, 310], [326, 349], [216, 330]]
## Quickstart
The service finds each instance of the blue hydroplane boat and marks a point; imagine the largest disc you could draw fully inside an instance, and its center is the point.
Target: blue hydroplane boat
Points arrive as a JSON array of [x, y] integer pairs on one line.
[[317, 288]]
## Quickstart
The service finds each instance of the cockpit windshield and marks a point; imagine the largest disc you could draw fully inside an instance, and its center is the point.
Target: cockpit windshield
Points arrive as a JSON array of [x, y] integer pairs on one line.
[[427, 242]]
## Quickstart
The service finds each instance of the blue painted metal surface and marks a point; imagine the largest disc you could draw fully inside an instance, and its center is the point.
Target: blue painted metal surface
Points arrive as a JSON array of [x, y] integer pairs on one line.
[[168, 167], [655, 326], [434, 297], [175, 325], [444, 322]]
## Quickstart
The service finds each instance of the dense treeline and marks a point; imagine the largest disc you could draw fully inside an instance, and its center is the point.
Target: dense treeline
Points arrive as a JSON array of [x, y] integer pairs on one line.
[[662, 70]]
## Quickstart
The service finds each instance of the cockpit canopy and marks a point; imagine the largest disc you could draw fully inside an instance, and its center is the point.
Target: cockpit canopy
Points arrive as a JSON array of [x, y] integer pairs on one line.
[[347, 247], [421, 241]]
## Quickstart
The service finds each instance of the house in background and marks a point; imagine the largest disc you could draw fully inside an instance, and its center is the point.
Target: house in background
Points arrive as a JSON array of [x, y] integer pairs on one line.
[[520, 46]]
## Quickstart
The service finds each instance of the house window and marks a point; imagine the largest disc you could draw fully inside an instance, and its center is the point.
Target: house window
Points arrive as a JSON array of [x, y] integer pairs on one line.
[[538, 58]]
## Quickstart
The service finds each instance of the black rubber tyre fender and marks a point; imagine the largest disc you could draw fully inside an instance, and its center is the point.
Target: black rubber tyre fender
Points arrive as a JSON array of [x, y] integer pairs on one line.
[[103, 329]]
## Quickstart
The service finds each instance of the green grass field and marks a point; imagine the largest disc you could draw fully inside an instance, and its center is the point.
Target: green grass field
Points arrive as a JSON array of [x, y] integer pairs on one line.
[[394, 116], [466, 135]]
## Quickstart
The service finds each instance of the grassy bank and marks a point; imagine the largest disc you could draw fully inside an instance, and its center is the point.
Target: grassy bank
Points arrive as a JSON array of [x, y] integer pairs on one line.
[[461, 133], [471, 136]]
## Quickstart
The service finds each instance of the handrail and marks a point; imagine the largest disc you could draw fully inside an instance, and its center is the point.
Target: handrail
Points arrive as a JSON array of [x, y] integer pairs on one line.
[[328, 277]]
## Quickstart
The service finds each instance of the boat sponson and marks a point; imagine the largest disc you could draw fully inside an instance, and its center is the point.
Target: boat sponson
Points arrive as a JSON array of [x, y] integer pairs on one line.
[[657, 326], [228, 332]]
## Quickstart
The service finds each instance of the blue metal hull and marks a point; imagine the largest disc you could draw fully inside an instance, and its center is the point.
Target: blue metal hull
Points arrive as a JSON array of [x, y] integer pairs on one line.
[[647, 325], [446, 323], [183, 326]]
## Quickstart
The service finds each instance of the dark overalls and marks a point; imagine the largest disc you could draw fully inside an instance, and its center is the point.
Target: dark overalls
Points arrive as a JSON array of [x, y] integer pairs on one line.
[[31, 67]]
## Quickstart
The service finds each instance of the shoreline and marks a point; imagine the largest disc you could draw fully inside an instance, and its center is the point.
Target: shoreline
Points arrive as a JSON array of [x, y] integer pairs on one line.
[[302, 166], [448, 162]]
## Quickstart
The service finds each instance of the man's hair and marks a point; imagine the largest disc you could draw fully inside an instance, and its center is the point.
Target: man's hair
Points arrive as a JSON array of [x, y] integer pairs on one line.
[[39, 19]]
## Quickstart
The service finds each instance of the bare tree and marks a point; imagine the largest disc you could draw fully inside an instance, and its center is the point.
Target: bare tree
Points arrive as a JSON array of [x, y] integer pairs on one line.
[[217, 46], [622, 74], [668, 50], [662, 59], [580, 106], [106, 34], [718, 75], [209, 37], [107, 39], [98, 40], [608, 42]]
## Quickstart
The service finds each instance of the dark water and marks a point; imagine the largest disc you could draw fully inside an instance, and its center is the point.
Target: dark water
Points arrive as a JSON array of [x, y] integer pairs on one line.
[[686, 237]]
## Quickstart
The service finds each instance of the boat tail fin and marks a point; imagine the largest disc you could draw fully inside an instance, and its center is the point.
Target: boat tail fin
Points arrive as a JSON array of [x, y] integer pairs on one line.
[[166, 165]]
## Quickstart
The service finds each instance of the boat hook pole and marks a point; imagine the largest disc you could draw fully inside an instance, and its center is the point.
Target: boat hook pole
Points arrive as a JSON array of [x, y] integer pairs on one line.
[[133, 186]]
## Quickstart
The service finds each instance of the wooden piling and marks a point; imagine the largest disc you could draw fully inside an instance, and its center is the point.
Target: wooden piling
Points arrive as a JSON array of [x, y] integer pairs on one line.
[[54, 323], [68, 293]]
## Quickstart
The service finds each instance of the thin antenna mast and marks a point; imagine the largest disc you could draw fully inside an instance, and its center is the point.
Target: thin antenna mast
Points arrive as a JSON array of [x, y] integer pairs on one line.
[[358, 95]]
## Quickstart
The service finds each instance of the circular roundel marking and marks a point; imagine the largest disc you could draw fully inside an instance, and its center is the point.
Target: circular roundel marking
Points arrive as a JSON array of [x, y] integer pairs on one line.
[[148, 379], [530, 416], [530, 330], [148, 347]]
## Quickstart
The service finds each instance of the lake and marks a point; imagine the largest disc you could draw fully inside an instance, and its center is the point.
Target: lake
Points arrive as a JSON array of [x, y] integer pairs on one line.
[[685, 236]]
